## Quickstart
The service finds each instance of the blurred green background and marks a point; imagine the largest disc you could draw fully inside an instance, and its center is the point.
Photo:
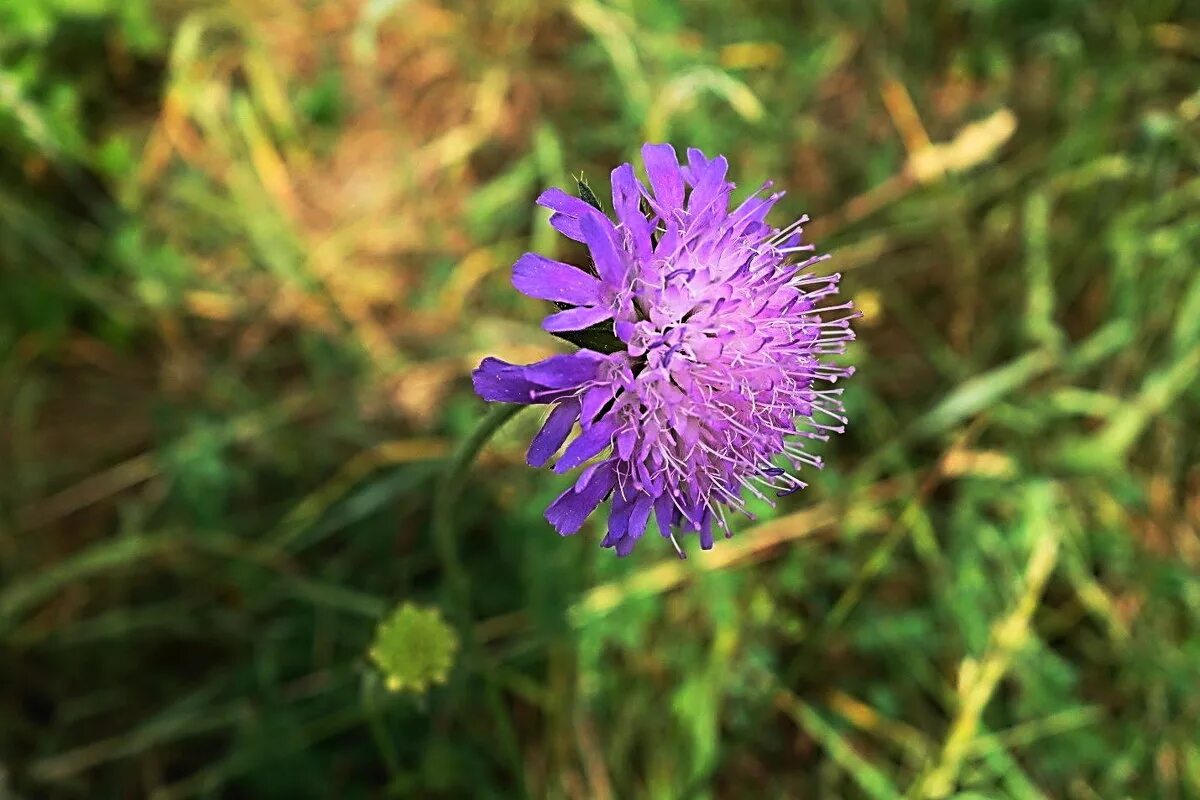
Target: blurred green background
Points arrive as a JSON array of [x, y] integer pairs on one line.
[[250, 251]]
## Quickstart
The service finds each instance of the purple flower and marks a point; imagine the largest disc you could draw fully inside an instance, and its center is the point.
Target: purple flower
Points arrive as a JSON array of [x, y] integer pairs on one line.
[[716, 333]]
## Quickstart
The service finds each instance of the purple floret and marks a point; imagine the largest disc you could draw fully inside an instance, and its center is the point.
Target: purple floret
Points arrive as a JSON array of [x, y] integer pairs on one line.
[[724, 329]]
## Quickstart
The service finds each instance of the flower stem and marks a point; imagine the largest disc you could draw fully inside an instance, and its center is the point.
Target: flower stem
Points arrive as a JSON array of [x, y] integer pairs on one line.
[[460, 587], [443, 505], [383, 740]]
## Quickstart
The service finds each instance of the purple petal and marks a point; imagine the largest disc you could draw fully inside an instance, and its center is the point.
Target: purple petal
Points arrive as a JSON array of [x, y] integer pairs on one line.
[[668, 243], [754, 209], [590, 442], [599, 234], [572, 507], [594, 400], [568, 211], [664, 514], [625, 330], [697, 164], [501, 382], [662, 165], [707, 349], [567, 226], [710, 184], [553, 433], [690, 515], [576, 319], [625, 442], [652, 482], [537, 276], [585, 475], [635, 525], [706, 532], [640, 516], [556, 199], [618, 519], [565, 371], [627, 522], [627, 192], [625, 546]]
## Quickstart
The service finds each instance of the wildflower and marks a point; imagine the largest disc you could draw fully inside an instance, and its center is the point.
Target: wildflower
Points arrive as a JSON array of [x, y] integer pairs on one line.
[[414, 648], [717, 335]]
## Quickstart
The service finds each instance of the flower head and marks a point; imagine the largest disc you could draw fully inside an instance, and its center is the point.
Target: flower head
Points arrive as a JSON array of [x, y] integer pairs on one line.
[[702, 336], [414, 648]]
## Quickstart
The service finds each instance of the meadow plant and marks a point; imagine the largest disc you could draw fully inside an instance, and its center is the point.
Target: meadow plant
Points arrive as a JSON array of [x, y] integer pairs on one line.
[[705, 341]]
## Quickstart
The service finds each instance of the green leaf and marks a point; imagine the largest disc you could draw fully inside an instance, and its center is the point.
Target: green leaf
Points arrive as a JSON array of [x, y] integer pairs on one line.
[[587, 195], [599, 337]]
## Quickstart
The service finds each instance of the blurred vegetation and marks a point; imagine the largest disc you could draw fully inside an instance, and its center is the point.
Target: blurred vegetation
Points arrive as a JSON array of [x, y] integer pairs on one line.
[[249, 252]]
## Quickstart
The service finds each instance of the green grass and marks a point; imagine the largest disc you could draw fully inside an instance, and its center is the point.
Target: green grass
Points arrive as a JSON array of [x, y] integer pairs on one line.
[[248, 257]]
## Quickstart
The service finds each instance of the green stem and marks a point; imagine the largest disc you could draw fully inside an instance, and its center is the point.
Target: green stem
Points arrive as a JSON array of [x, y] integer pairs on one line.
[[443, 505], [383, 740], [458, 583]]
